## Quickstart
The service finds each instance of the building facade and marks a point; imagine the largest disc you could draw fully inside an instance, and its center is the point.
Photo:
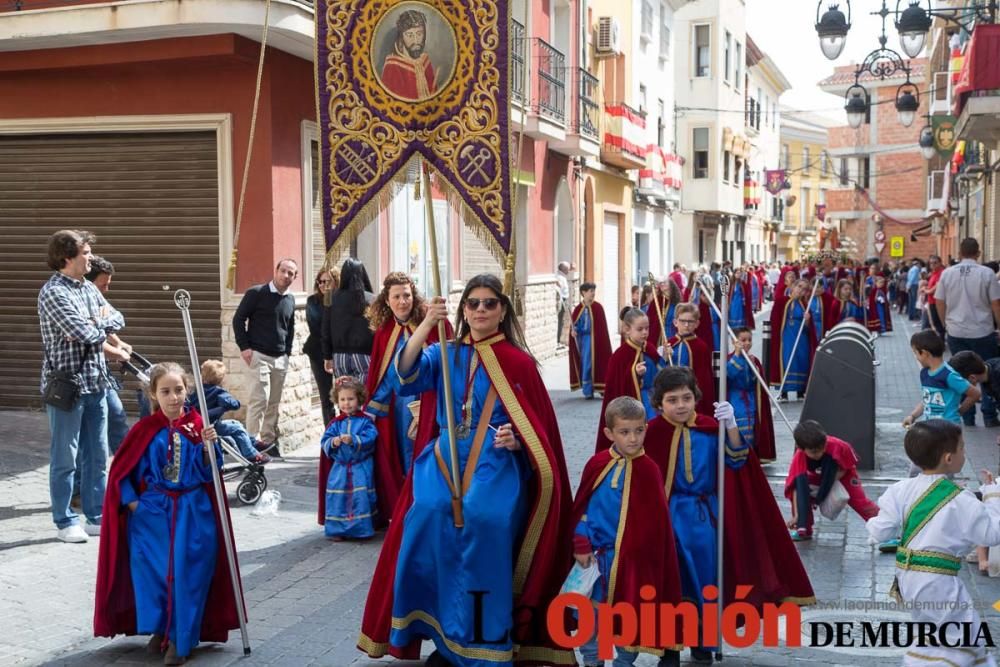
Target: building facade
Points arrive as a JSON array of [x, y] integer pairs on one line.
[[810, 169]]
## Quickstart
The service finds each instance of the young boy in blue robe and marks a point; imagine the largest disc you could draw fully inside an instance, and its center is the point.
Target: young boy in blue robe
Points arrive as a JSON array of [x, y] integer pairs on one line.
[[622, 523], [349, 443], [219, 401]]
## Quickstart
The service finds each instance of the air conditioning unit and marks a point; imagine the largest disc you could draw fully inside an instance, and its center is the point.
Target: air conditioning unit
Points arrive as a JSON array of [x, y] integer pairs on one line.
[[608, 36]]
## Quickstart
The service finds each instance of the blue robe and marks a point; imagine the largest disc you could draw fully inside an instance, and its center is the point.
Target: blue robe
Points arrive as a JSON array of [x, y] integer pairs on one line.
[[438, 564], [741, 387], [668, 321], [754, 293], [799, 373], [737, 313], [646, 384], [694, 510], [350, 486], [817, 316], [600, 526], [185, 507], [387, 398], [851, 310], [882, 311], [584, 327]]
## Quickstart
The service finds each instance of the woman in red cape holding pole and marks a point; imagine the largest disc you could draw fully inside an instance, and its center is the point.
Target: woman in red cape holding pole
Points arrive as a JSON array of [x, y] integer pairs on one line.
[[515, 496]]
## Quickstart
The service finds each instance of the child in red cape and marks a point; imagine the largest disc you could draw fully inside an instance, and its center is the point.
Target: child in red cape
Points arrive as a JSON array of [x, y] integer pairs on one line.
[[689, 349], [589, 344], [820, 461], [622, 523], [159, 519], [757, 549]]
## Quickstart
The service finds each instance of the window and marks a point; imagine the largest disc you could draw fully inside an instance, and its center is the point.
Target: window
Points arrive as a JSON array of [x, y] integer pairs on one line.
[[864, 169], [824, 163], [647, 20], [760, 103], [804, 219], [700, 145], [726, 159], [664, 33], [806, 165], [784, 156], [702, 50], [643, 105], [738, 67], [737, 165], [844, 176], [726, 57], [661, 124]]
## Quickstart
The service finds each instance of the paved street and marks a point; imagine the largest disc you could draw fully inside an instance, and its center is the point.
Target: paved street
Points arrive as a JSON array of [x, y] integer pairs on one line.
[[305, 594]]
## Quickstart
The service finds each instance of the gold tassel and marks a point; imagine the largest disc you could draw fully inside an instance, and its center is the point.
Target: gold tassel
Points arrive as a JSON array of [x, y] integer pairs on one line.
[[416, 190], [231, 272]]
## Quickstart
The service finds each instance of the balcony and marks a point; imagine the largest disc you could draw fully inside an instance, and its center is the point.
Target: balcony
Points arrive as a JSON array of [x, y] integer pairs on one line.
[[941, 94], [541, 97], [53, 24], [661, 177], [937, 191], [583, 137], [624, 144]]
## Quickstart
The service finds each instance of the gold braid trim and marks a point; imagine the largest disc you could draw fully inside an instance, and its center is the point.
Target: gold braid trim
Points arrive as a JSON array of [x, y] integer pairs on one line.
[[543, 655], [390, 352], [543, 467], [622, 516], [373, 648], [672, 463], [485, 654]]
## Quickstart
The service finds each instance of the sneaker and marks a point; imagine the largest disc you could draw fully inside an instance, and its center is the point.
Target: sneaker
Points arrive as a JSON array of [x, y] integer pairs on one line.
[[889, 547], [92, 529], [701, 655], [262, 459], [73, 534], [670, 659], [800, 534], [991, 423]]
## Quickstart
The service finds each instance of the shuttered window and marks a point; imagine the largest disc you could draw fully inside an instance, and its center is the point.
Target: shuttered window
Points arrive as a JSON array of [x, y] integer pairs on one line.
[[152, 201]]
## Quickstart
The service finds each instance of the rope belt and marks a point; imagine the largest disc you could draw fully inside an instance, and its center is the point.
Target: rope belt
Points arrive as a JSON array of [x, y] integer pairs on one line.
[[927, 561]]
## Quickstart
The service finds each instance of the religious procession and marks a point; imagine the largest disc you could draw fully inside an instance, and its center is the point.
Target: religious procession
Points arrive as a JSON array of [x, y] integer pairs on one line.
[[613, 315]]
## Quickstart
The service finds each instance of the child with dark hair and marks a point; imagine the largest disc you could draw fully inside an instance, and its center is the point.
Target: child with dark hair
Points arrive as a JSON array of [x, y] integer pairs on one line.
[[758, 551], [589, 344], [622, 523], [940, 523], [984, 373], [218, 401], [347, 487], [946, 394], [686, 348], [749, 398], [819, 462]]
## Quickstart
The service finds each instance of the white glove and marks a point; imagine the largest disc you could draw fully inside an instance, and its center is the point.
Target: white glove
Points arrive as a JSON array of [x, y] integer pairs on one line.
[[725, 414]]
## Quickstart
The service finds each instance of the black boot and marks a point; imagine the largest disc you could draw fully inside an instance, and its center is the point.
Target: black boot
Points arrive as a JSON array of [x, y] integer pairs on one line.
[[701, 655], [670, 659], [435, 659]]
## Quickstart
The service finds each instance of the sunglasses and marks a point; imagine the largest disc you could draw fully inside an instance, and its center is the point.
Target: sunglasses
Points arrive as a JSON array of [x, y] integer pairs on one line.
[[489, 304], [324, 282]]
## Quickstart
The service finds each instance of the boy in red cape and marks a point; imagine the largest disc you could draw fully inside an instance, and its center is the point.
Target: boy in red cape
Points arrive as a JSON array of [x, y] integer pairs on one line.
[[821, 461], [115, 605], [688, 349], [758, 551], [589, 344], [787, 317], [622, 523]]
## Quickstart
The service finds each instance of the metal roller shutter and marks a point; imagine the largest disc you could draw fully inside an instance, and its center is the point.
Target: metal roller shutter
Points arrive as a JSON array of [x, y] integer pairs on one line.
[[152, 201]]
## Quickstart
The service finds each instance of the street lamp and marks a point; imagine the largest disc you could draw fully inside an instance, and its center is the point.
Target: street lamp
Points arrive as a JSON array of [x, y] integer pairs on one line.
[[907, 103], [857, 105], [912, 25], [832, 29], [927, 148]]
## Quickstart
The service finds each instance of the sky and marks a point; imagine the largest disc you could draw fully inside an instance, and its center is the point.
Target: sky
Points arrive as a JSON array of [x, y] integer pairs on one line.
[[784, 30]]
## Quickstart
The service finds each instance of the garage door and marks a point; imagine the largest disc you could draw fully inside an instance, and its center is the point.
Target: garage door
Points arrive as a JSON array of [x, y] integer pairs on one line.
[[152, 201], [611, 272]]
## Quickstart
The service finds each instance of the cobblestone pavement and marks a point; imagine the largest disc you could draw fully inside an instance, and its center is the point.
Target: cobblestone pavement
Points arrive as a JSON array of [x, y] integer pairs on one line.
[[305, 594]]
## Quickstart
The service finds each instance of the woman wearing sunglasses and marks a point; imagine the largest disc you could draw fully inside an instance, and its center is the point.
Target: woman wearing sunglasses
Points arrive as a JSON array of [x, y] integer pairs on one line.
[[325, 283], [515, 499]]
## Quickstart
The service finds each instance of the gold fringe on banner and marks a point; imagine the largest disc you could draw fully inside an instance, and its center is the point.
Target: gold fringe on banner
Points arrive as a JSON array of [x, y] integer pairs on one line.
[[231, 271]]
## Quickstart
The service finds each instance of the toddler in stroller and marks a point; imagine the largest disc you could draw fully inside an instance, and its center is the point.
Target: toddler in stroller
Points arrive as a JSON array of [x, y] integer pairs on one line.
[[235, 441]]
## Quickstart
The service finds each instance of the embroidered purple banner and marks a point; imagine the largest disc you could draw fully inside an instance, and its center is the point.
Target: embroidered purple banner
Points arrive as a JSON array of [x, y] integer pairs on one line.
[[401, 79]]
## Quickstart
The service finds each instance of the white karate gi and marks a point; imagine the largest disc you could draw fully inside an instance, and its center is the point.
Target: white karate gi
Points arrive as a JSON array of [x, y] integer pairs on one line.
[[955, 529]]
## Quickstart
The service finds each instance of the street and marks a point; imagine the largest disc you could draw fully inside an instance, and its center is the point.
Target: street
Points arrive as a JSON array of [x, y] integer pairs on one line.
[[305, 595]]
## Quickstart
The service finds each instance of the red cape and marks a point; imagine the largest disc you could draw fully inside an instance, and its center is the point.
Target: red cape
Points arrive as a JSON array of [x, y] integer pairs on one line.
[[326, 464], [826, 305], [776, 369], [874, 323], [114, 604], [836, 310], [758, 551], [701, 360], [620, 380], [399, 76], [646, 553], [544, 556], [655, 330], [600, 341], [388, 467], [841, 452]]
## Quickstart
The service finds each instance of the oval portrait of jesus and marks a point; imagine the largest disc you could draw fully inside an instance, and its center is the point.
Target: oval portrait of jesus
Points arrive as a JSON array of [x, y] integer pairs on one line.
[[413, 51]]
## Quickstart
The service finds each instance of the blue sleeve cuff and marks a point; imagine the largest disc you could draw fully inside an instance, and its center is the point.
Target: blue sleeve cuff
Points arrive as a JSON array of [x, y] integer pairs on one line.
[[128, 494]]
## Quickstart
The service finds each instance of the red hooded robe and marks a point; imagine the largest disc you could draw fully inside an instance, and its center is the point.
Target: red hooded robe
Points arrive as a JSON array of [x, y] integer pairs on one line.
[[621, 380], [600, 348], [874, 323], [544, 556], [114, 604], [777, 369], [758, 550], [701, 365]]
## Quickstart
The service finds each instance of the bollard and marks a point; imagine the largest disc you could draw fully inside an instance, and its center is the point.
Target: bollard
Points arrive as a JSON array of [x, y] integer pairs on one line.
[[716, 372], [765, 347]]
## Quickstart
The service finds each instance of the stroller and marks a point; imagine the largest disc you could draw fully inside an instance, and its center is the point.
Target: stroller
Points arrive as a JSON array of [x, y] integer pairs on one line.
[[254, 482]]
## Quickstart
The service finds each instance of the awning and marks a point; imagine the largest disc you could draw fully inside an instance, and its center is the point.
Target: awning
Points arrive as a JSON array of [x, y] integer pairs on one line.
[[981, 68]]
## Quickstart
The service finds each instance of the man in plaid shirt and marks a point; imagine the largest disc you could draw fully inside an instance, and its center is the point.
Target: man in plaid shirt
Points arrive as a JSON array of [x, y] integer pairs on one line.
[[75, 321]]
